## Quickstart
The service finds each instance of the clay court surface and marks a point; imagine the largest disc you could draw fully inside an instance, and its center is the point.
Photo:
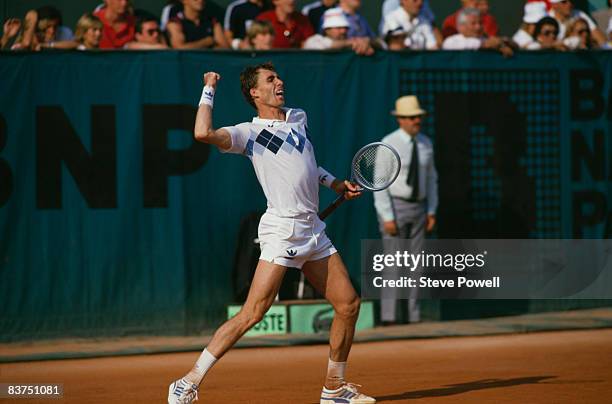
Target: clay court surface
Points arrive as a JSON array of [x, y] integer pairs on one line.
[[551, 367]]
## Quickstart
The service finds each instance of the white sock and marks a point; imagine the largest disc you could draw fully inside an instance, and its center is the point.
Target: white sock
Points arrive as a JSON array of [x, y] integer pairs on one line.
[[335, 371], [201, 367]]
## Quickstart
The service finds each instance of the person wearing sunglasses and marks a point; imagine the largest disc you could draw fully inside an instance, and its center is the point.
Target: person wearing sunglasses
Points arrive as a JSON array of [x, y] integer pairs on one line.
[[545, 35], [579, 36], [564, 12], [148, 35]]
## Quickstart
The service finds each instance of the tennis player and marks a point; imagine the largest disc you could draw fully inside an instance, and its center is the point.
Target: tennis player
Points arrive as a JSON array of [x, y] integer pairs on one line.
[[290, 232]]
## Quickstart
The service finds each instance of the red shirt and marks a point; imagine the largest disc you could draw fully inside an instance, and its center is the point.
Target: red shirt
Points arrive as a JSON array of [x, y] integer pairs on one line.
[[112, 39], [291, 33], [489, 24]]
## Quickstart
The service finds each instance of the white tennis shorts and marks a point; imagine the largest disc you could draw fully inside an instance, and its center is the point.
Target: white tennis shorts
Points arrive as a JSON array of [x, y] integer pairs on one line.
[[292, 242]]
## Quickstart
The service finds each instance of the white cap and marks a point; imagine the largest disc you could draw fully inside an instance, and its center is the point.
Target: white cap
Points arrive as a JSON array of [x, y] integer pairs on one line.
[[534, 12], [334, 18], [555, 1]]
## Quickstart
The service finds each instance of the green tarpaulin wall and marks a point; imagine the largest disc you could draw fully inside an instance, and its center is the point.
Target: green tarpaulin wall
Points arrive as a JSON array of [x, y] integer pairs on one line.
[[113, 221]]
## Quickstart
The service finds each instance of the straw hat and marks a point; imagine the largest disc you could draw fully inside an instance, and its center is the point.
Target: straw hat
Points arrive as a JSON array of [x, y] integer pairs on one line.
[[408, 105]]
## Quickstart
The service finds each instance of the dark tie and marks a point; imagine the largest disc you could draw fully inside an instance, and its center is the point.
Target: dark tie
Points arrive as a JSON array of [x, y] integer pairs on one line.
[[413, 174]]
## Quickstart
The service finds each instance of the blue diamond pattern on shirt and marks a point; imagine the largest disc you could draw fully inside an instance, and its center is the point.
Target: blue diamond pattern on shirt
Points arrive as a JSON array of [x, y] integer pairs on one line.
[[248, 149], [301, 139]]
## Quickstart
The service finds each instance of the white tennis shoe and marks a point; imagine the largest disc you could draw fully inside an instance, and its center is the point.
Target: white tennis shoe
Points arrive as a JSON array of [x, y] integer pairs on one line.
[[347, 394], [182, 392]]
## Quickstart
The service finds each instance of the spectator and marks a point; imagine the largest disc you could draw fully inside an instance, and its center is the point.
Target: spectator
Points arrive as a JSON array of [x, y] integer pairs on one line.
[[602, 17], [391, 5], [173, 7], [119, 24], [239, 16], [260, 36], [609, 32], [579, 36], [534, 12], [42, 29], [335, 28], [449, 27], [546, 33], [395, 40], [148, 35], [314, 11], [358, 25], [10, 30], [420, 33], [563, 11], [88, 33], [471, 36], [291, 28], [195, 28]]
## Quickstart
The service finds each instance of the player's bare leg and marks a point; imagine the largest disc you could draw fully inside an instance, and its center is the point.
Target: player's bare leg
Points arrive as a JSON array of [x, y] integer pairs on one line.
[[330, 278], [264, 288]]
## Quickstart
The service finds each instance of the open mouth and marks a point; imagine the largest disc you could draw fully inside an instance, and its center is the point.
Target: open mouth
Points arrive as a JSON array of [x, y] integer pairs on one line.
[[280, 93]]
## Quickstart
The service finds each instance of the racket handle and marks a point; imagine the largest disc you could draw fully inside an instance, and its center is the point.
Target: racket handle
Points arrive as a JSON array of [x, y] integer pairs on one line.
[[323, 215]]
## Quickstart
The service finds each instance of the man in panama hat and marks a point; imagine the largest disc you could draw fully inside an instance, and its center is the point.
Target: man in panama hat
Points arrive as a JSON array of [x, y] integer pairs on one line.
[[407, 209]]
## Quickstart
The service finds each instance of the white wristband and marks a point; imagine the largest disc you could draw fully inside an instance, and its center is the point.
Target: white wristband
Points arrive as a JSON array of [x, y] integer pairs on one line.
[[208, 96], [325, 178]]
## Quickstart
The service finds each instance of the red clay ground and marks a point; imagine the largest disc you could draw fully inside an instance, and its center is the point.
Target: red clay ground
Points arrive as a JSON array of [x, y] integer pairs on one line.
[[553, 367]]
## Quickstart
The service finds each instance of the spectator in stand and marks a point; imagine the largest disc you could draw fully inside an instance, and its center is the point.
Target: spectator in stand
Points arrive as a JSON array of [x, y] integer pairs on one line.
[[148, 35], [579, 36], [314, 11], [10, 30], [119, 24], [42, 29], [195, 28], [426, 15], [546, 33], [239, 16], [89, 32], [534, 12], [602, 17], [471, 35], [260, 36], [420, 34], [173, 7], [563, 11], [335, 28], [449, 27], [608, 44], [395, 40], [291, 28], [358, 25]]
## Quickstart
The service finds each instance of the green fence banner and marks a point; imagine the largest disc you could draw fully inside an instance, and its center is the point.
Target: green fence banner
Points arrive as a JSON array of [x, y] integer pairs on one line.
[[114, 221]]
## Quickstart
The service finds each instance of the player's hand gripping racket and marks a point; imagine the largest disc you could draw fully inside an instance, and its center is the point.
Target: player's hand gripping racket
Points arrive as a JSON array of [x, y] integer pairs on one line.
[[374, 168]]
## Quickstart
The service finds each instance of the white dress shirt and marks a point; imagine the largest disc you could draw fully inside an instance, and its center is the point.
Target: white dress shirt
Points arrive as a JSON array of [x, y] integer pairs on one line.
[[461, 42], [428, 176], [522, 38], [419, 31]]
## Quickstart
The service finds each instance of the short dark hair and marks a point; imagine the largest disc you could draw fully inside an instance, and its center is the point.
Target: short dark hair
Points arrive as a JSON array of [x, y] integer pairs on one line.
[[248, 79], [144, 17], [49, 13], [540, 24]]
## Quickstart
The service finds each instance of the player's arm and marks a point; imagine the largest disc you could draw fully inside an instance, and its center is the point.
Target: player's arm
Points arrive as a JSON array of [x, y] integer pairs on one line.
[[203, 130], [350, 190]]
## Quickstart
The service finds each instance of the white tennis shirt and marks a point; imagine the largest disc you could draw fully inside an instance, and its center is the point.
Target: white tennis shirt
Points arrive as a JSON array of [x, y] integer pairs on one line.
[[284, 162]]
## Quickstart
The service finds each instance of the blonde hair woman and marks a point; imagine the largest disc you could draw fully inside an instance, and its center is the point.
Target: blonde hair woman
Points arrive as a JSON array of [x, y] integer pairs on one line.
[[88, 32]]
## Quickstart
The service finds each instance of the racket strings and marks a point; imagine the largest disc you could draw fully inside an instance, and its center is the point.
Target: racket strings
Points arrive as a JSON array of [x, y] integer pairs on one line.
[[376, 167]]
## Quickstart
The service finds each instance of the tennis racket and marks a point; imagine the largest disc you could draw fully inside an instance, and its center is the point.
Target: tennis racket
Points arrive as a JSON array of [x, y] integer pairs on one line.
[[374, 168]]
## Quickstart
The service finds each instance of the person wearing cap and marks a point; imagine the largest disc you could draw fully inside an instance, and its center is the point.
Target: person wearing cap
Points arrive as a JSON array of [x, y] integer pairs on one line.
[[335, 28], [407, 209], [315, 10], [564, 12], [534, 12], [419, 32]]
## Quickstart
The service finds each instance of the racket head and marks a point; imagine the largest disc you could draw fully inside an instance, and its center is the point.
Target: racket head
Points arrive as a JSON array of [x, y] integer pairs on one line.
[[375, 166]]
